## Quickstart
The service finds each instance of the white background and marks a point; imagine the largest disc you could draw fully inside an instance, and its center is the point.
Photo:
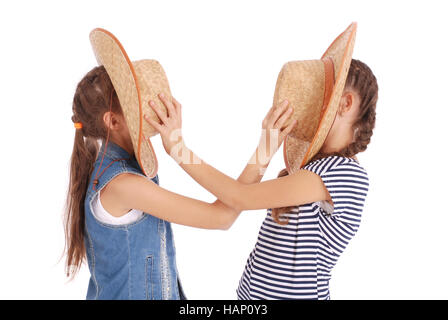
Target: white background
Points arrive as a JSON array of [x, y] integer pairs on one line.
[[222, 60]]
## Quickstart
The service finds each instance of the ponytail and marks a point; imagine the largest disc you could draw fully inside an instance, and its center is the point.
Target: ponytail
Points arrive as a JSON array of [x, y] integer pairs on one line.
[[94, 96], [84, 153]]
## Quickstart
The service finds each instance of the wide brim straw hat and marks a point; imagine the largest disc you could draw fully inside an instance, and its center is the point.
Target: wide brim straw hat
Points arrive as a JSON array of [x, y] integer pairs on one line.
[[313, 89], [135, 83]]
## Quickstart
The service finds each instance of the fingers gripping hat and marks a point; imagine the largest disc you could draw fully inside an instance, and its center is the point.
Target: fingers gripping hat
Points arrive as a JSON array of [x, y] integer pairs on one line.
[[135, 83], [313, 89]]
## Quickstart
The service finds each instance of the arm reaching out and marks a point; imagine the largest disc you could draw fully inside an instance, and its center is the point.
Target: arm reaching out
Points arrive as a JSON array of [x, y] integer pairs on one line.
[[245, 193]]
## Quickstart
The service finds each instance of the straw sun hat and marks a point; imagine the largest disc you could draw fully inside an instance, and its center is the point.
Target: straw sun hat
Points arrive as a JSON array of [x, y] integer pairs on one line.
[[313, 89], [135, 83]]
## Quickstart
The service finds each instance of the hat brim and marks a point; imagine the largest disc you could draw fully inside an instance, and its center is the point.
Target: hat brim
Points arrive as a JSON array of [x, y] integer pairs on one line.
[[340, 52], [110, 53]]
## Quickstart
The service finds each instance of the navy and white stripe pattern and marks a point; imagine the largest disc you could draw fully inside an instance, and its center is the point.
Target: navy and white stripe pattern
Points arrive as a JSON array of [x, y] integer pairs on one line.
[[294, 261]]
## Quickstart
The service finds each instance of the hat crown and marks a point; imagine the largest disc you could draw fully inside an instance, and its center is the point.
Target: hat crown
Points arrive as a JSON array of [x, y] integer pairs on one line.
[[152, 80], [303, 84]]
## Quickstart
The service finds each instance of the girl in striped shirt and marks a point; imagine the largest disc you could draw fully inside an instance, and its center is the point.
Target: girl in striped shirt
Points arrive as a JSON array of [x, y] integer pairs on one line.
[[317, 210]]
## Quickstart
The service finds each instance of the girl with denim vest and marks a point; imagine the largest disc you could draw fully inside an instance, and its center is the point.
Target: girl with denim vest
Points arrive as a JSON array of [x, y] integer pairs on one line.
[[315, 211], [118, 219]]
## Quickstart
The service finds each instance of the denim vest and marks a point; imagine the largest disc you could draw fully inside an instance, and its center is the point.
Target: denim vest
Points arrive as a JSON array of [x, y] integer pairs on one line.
[[133, 261]]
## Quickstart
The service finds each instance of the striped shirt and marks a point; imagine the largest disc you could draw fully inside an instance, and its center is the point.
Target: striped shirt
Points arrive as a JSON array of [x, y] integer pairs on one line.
[[294, 261]]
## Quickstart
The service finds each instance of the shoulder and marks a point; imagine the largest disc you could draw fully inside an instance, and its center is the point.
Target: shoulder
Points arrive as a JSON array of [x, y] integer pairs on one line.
[[336, 164], [127, 183], [127, 179]]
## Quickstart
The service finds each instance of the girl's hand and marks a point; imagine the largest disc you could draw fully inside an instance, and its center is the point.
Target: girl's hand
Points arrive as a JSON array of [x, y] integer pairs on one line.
[[171, 127], [274, 131]]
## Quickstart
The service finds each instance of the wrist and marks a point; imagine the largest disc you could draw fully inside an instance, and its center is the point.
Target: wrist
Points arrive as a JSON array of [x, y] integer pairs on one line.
[[259, 161], [177, 150], [182, 155], [261, 157]]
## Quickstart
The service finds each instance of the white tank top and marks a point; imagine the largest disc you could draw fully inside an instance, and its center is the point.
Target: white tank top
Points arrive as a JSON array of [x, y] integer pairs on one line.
[[102, 215]]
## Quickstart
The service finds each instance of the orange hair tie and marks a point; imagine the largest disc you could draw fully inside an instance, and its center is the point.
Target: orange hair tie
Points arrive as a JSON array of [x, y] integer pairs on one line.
[[78, 125]]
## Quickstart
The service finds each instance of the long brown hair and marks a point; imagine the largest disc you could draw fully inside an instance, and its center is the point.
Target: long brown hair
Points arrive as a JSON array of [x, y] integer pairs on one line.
[[361, 79], [91, 101]]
